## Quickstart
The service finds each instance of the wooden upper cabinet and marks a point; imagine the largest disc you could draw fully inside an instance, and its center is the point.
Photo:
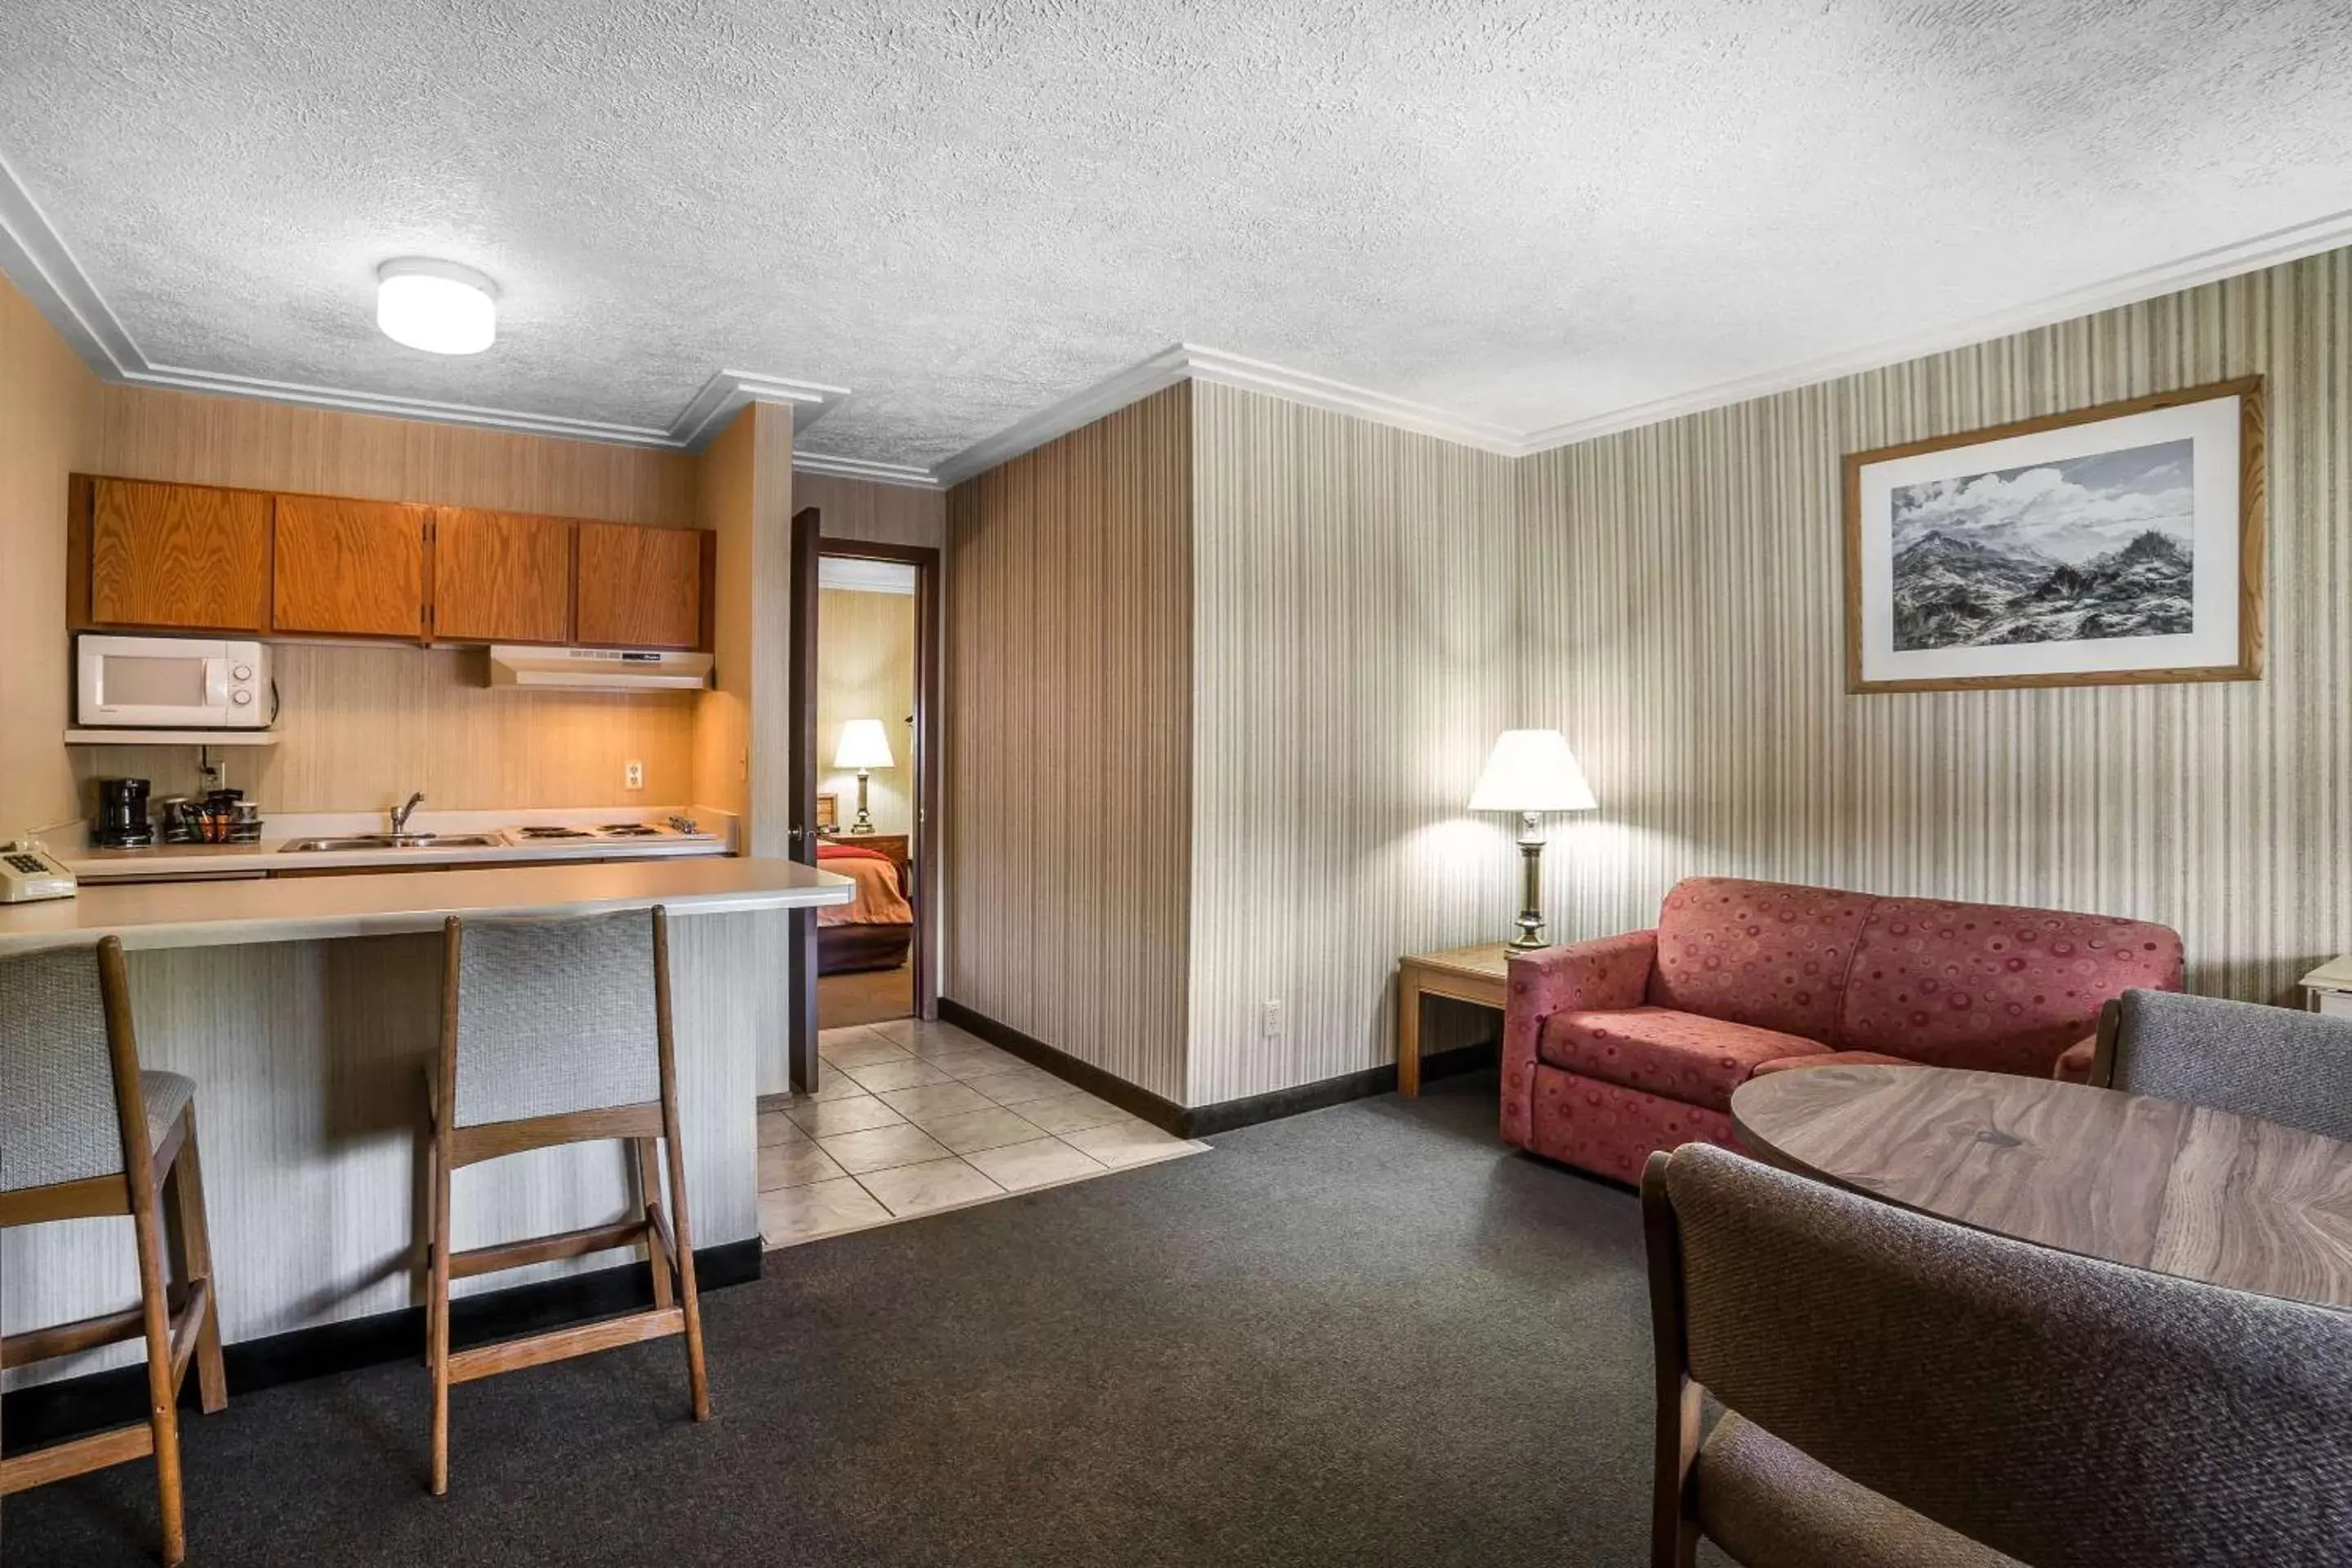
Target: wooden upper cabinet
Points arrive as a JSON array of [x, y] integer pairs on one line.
[[178, 556], [500, 576], [640, 588], [350, 568]]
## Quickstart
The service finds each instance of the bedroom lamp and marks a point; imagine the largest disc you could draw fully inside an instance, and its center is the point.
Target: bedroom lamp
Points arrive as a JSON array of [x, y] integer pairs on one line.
[[1531, 772], [863, 746]]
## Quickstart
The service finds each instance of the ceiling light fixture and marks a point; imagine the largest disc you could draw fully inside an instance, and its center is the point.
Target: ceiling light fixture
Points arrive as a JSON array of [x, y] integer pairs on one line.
[[437, 306]]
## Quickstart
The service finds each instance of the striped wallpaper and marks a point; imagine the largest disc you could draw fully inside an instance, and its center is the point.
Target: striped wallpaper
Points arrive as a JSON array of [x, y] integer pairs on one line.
[[879, 513], [1680, 617], [1352, 661], [1066, 797]]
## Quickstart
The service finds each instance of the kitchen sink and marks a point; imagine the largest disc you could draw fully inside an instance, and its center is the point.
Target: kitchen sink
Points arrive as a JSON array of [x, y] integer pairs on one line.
[[391, 841]]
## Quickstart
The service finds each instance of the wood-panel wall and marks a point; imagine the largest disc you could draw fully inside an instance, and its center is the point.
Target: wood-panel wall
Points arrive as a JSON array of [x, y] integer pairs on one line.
[[48, 423], [1680, 605], [1353, 659], [882, 514], [363, 726], [1068, 793]]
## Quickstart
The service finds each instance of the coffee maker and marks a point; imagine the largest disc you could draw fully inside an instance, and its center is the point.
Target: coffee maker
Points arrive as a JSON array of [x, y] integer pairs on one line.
[[121, 815]]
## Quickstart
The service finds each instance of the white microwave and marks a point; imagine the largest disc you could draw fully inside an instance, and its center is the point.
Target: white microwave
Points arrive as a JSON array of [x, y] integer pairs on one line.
[[171, 683]]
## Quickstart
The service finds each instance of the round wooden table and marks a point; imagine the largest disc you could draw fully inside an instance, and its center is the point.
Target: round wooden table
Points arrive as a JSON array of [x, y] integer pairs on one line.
[[2154, 1184]]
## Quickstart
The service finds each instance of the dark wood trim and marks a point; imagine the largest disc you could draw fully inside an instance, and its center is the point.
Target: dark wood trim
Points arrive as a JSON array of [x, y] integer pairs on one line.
[[802, 1068], [922, 882], [52, 1412], [1203, 1120], [2253, 535]]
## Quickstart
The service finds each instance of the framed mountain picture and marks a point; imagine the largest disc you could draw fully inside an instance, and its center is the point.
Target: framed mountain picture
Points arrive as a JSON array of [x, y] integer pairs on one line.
[[2119, 543]]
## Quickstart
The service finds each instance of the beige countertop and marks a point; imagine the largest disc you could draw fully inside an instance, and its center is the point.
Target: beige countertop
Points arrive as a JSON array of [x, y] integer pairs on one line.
[[307, 908], [271, 856]]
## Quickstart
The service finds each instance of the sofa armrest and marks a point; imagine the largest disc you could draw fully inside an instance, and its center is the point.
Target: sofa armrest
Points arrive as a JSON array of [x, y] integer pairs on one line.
[[1605, 975], [2074, 1064], [1611, 974]]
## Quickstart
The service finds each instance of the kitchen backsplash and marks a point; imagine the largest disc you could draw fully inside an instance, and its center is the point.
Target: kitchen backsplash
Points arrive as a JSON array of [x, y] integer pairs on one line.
[[359, 728]]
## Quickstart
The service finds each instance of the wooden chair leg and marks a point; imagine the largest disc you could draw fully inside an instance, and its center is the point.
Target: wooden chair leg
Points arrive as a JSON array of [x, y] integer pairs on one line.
[[432, 1233], [649, 1202], [697, 1380], [162, 1402], [194, 1261], [437, 1317]]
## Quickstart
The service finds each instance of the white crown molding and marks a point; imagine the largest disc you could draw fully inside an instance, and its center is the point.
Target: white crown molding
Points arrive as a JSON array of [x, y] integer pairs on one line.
[[1114, 392], [726, 393], [2274, 250], [825, 463]]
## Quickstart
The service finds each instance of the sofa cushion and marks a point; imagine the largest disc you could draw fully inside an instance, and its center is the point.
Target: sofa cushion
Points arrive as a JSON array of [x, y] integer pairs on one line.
[[1835, 1059], [1683, 1056], [1769, 954], [1986, 985]]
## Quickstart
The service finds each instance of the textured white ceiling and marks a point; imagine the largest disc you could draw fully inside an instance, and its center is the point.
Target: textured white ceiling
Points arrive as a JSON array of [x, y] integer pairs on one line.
[[1524, 212]]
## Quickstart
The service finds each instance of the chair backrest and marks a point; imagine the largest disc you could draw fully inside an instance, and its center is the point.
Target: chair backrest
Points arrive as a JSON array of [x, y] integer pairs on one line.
[[2060, 1409], [2295, 1068], [554, 1016], [60, 1117]]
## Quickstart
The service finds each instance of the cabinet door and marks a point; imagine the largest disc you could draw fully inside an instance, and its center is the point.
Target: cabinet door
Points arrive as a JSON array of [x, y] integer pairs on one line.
[[640, 588], [350, 568], [500, 576], [178, 556]]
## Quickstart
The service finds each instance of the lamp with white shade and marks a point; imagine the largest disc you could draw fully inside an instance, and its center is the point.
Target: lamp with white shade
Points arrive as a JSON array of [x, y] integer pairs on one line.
[[865, 746], [1531, 772]]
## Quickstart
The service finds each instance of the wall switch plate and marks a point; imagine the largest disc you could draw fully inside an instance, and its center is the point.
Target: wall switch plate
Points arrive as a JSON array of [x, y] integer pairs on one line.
[[633, 775], [1269, 1023]]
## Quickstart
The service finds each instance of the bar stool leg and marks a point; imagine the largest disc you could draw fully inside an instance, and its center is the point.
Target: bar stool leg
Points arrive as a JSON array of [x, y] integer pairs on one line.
[[649, 1199], [436, 1348], [194, 1261], [683, 1230], [163, 1405]]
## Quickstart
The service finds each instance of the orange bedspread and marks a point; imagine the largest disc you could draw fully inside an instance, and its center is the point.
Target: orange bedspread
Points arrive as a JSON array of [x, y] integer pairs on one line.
[[879, 902]]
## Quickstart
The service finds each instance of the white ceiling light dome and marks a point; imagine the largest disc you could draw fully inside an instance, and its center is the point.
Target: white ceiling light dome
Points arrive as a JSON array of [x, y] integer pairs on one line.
[[437, 306]]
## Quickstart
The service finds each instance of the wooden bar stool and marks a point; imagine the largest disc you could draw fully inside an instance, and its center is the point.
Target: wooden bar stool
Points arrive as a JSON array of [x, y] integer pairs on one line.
[[83, 1133], [557, 1032]]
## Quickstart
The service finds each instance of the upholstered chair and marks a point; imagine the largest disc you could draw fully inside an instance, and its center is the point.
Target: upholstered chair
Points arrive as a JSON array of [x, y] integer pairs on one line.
[[84, 1132], [2291, 1067], [557, 1032], [1900, 1390]]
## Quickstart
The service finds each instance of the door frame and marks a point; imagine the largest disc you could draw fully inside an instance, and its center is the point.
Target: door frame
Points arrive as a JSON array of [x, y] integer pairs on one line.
[[922, 879]]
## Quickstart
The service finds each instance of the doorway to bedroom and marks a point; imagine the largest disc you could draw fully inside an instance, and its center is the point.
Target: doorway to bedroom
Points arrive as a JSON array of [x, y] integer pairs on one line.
[[876, 645]]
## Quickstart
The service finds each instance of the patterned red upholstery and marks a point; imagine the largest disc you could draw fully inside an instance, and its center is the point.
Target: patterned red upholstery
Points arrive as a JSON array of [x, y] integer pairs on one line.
[[1764, 954], [1981, 986], [1686, 1056], [1613, 1131], [1614, 1048]]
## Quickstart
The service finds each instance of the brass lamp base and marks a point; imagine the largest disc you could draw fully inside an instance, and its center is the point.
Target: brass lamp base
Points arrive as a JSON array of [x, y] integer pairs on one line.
[[1531, 920], [865, 823]]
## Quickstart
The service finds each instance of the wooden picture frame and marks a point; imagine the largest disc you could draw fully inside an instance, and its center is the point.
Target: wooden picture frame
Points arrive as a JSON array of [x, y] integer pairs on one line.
[[1953, 605], [828, 812]]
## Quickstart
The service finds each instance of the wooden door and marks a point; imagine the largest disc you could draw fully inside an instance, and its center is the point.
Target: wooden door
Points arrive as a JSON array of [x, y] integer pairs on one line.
[[178, 556], [351, 568], [801, 762], [640, 588], [500, 576]]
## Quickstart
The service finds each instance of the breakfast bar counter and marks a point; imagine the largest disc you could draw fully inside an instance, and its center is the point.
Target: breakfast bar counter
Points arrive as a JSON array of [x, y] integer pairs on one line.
[[214, 914], [305, 1010]]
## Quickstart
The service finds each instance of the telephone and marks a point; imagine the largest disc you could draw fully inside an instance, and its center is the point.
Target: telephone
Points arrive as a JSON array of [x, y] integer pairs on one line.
[[27, 872]]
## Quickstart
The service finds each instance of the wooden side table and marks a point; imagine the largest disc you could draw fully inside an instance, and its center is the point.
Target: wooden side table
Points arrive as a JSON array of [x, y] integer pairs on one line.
[[1478, 975], [2329, 988]]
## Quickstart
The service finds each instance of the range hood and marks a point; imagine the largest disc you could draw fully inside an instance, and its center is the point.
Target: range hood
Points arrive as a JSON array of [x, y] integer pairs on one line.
[[598, 668]]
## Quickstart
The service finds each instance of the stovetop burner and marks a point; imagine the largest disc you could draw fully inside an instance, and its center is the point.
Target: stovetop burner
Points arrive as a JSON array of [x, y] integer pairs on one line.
[[547, 833], [629, 830]]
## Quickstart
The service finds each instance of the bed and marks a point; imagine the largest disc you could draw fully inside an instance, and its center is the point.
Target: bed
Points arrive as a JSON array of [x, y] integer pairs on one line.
[[872, 930]]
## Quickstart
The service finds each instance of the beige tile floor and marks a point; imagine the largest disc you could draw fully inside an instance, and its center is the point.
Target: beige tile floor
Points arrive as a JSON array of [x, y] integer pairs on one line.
[[913, 1118]]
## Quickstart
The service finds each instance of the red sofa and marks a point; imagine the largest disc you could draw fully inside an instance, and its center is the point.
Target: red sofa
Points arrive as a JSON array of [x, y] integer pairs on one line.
[[1617, 1047]]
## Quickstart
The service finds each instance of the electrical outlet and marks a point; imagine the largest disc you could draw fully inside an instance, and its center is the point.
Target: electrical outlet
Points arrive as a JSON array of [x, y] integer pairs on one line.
[[1269, 1019], [633, 775]]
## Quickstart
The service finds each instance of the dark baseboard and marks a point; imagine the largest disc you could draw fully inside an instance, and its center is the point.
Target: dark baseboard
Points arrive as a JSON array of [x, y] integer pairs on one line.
[[94, 1401], [1199, 1120], [1227, 1114], [1164, 1114]]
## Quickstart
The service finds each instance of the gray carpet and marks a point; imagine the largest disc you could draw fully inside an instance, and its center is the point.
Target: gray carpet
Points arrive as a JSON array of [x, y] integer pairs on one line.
[[1366, 1335]]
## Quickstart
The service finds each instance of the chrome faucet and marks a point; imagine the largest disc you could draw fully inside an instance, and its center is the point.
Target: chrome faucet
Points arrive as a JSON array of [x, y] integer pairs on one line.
[[401, 814]]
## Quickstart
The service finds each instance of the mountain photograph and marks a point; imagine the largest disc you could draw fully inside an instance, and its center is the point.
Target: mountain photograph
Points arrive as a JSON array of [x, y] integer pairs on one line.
[[2088, 549]]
